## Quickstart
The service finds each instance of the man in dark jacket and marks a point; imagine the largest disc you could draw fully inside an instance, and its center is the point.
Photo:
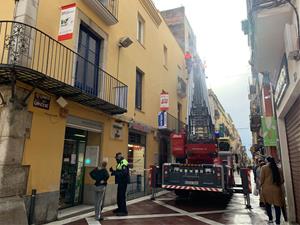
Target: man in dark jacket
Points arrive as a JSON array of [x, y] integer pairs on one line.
[[122, 179], [100, 175]]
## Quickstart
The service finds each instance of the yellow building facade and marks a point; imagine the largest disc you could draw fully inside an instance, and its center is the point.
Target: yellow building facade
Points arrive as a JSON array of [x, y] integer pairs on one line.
[[91, 95], [224, 123]]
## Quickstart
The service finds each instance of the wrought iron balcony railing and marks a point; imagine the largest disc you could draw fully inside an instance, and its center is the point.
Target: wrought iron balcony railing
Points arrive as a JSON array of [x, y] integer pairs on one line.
[[112, 6], [181, 88], [265, 4], [255, 123], [174, 124], [106, 9], [35, 58]]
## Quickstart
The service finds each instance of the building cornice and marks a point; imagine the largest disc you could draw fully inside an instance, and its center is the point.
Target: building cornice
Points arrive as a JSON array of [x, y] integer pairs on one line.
[[152, 11]]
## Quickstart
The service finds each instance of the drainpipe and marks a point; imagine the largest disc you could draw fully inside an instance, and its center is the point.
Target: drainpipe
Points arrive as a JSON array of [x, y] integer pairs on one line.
[[32, 206]]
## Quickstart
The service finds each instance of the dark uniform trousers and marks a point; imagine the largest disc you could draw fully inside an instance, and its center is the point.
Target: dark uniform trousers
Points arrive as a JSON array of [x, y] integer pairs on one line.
[[121, 197]]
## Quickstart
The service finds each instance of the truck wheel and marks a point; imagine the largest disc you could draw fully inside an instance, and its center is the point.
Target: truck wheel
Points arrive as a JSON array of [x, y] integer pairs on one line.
[[182, 193]]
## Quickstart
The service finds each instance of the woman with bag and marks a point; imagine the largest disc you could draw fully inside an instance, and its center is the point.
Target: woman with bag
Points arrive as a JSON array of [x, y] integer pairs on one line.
[[271, 182], [261, 163]]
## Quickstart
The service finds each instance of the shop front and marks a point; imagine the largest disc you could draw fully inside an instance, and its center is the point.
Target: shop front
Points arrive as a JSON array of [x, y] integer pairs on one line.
[[136, 160], [292, 124], [81, 136]]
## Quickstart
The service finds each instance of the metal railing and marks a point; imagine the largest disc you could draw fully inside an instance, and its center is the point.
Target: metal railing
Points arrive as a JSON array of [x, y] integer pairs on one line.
[[265, 4], [255, 123], [111, 6], [174, 124], [25, 46], [181, 87]]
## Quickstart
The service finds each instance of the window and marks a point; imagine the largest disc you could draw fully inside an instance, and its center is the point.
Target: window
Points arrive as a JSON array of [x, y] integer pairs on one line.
[[165, 56], [87, 65], [140, 29], [138, 89]]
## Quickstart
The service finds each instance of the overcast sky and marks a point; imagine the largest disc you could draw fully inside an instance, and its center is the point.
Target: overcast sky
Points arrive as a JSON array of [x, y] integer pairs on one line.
[[222, 44]]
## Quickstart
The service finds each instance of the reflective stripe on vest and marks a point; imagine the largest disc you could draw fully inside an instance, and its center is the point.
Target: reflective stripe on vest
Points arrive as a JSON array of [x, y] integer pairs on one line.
[[124, 162]]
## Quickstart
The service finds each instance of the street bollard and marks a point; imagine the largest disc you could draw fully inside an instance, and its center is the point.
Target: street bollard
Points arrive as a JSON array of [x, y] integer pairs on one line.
[[153, 181], [246, 184]]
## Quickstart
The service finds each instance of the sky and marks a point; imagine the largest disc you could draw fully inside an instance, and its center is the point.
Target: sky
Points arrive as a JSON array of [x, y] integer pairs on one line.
[[222, 44]]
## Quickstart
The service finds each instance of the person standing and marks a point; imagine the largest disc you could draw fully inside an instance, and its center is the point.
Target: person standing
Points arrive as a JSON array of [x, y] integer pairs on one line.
[[122, 179], [261, 163], [100, 175], [271, 180], [238, 169]]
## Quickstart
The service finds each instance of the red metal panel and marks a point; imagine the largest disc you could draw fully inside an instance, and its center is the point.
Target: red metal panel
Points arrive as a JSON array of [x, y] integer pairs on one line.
[[201, 153], [177, 145]]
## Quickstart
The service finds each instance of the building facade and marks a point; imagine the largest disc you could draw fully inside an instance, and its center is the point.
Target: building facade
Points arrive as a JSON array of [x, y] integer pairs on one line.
[[80, 81], [273, 30], [225, 127]]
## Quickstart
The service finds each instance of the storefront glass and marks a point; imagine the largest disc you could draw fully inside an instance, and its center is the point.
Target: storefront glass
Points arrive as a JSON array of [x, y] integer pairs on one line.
[[136, 160], [72, 173]]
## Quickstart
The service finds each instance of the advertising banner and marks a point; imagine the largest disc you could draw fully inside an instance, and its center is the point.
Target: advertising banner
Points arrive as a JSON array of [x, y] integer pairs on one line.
[[164, 101], [67, 19], [269, 127]]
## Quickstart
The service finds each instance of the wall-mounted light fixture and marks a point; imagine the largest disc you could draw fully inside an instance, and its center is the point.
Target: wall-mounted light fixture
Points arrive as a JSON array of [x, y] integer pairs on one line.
[[125, 42]]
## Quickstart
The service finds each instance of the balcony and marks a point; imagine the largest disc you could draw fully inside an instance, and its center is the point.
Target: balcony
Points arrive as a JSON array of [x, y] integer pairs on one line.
[[268, 19], [172, 124], [255, 123], [181, 88], [106, 9], [32, 57], [265, 4]]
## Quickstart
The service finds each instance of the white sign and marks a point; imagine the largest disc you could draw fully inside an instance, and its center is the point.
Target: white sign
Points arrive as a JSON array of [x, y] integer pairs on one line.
[[117, 131], [67, 19], [164, 101], [91, 156]]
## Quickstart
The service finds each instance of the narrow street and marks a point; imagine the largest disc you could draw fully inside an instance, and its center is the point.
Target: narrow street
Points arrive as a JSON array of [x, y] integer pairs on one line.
[[169, 209], [105, 102]]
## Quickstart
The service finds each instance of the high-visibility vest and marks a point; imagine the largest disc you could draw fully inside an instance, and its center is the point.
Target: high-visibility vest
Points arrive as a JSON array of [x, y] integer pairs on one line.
[[124, 162]]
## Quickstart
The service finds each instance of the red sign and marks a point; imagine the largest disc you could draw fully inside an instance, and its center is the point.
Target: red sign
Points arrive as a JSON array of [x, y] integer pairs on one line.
[[164, 101]]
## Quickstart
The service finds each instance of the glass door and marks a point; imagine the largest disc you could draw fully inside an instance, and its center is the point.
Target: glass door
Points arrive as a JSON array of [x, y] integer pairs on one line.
[[72, 173]]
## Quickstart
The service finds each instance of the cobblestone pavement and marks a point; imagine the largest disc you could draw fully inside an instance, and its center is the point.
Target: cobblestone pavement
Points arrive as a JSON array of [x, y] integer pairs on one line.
[[168, 209]]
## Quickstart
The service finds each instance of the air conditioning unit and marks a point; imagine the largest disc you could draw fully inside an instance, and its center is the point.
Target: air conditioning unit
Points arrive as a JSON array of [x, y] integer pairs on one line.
[[291, 41]]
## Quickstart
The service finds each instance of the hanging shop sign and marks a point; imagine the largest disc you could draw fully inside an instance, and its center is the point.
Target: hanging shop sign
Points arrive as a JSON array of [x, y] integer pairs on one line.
[[117, 131], [41, 101], [282, 82], [269, 128], [164, 101], [162, 120], [67, 19]]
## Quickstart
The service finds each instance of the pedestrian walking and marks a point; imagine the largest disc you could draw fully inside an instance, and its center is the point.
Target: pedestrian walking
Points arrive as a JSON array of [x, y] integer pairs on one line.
[[122, 179], [238, 169], [256, 165], [261, 163], [100, 175], [271, 180]]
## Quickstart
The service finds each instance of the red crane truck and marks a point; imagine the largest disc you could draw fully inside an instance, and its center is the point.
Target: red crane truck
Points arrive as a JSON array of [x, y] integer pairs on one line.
[[203, 162]]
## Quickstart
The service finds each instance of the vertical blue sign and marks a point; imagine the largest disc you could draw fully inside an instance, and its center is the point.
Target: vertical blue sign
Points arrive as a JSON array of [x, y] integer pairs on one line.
[[162, 120]]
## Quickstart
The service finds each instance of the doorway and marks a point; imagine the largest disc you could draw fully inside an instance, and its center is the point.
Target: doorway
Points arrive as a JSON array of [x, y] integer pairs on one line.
[[136, 162], [72, 173]]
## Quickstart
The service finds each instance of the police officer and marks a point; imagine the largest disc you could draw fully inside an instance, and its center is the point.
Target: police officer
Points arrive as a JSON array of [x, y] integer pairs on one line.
[[122, 179]]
